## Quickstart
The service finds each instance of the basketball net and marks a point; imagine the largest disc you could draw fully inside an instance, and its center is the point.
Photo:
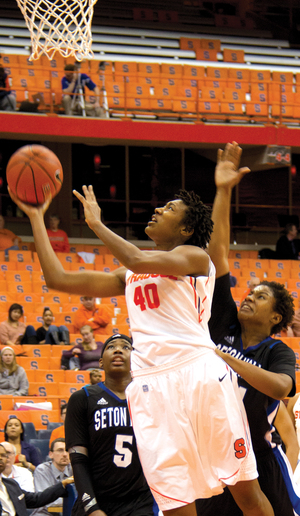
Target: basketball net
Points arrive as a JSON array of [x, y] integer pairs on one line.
[[62, 26]]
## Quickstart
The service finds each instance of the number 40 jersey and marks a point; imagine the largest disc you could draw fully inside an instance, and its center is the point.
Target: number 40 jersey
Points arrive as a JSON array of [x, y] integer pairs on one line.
[[168, 316]]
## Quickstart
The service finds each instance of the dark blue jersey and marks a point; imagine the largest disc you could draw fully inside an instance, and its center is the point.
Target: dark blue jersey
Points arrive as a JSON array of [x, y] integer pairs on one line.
[[98, 420], [270, 354]]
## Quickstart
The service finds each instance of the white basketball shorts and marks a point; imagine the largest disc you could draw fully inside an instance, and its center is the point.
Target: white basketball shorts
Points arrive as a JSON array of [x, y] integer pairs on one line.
[[191, 429]]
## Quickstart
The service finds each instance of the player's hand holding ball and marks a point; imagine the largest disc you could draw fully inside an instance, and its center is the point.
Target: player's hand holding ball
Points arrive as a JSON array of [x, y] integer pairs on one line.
[[34, 176]]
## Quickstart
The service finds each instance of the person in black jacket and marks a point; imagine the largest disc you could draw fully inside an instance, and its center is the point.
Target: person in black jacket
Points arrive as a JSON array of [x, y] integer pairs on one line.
[[8, 101], [16, 501]]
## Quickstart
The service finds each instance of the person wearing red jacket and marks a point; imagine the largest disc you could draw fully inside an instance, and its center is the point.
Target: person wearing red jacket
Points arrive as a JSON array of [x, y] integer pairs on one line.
[[96, 316]]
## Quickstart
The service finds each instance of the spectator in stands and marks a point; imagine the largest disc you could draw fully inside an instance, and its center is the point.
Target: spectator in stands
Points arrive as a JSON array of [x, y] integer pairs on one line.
[[27, 454], [294, 328], [95, 376], [15, 501], [73, 87], [88, 351], [60, 430], [58, 237], [8, 240], [51, 334], [52, 472], [8, 101], [288, 245], [13, 331], [13, 378], [96, 316], [23, 476]]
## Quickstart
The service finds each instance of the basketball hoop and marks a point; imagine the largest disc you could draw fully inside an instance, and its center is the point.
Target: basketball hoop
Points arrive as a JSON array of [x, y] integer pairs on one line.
[[62, 26]]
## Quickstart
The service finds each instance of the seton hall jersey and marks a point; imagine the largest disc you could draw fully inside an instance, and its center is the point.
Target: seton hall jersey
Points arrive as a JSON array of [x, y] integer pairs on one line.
[[168, 316], [100, 421]]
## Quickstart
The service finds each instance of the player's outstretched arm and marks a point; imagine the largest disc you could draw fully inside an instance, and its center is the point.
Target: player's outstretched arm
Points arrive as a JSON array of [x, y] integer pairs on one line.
[[274, 385], [288, 435], [90, 283], [182, 260], [227, 175]]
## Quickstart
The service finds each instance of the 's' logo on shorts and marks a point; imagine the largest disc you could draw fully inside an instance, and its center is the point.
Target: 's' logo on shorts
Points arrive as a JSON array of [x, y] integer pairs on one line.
[[145, 388]]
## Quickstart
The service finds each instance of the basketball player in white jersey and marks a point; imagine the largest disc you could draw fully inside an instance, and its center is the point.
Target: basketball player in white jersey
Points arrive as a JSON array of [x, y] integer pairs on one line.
[[293, 408], [189, 421]]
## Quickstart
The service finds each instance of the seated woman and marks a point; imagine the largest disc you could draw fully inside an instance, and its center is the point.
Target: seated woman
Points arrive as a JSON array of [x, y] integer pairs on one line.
[[13, 331], [51, 334], [13, 378], [27, 455], [84, 356]]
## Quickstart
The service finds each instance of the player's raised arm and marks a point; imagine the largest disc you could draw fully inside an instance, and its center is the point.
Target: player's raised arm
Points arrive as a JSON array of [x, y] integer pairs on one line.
[[91, 283], [227, 175], [167, 228]]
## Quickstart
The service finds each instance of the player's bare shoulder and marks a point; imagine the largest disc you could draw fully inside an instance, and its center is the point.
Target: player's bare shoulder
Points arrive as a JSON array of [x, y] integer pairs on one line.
[[198, 259]]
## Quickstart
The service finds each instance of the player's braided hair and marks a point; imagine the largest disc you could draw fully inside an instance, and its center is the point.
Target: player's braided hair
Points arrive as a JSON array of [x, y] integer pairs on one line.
[[284, 304], [198, 218]]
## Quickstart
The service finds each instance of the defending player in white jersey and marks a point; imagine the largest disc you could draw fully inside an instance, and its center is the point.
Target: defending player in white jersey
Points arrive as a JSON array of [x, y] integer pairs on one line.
[[190, 424]]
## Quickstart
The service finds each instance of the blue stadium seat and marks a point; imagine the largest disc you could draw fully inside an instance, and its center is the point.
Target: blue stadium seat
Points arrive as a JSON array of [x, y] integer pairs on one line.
[[44, 434], [43, 446], [29, 431]]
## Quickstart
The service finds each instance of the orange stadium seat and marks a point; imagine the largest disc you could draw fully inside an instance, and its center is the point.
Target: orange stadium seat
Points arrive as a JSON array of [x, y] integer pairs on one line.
[[233, 56], [57, 297], [283, 77], [7, 403], [63, 318], [41, 418], [37, 351], [22, 288], [232, 95], [184, 106], [211, 94], [258, 264], [66, 389], [4, 306], [193, 72], [211, 44], [19, 256], [28, 299], [75, 338], [238, 254], [118, 328], [293, 284], [280, 265], [190, 43], [43, 389], [8, 266], [257, 109], [232, 108], [250, 272], [122, 319], [18, 276], [125, 69], [115, 301], [159, 104], [203, 54], [295, 274], [54, 363], [33, 363], [260, 75], [148, 73], [46, 376], [39, 287], [174, 71], [81, 377], [27, 266], [56, 350], [2, 256]]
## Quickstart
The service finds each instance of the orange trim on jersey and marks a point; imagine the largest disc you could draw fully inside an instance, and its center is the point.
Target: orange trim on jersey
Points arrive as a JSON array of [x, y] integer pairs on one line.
[[168, 497]]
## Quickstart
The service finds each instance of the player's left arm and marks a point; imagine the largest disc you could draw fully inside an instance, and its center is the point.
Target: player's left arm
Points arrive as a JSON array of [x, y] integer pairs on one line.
[[274, 385], [288, 435], [181, 261]]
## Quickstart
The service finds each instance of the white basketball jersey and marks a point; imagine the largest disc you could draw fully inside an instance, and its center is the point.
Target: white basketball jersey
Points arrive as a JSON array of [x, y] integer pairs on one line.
[[168, 316]]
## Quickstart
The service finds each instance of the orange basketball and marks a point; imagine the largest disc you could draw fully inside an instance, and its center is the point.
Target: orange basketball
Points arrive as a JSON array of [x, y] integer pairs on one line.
[[30, 169]]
